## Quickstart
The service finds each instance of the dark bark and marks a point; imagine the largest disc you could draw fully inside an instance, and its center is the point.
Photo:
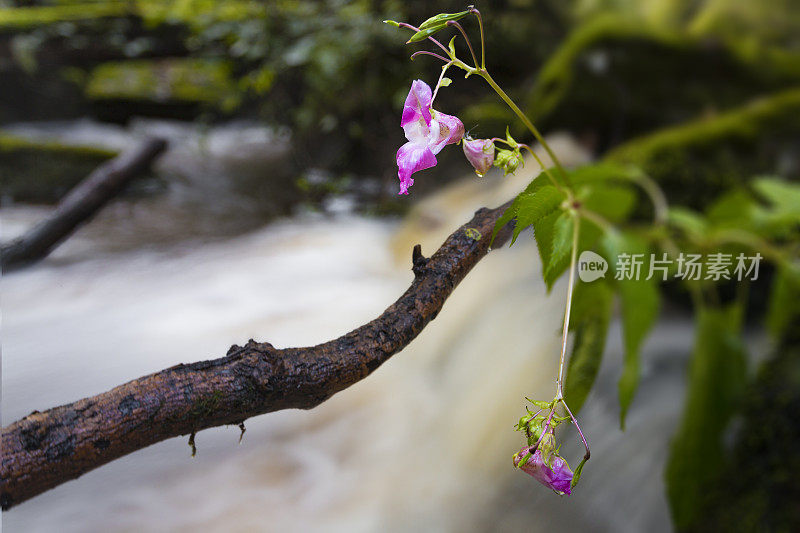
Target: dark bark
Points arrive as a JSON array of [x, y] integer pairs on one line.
[[46, 449], [80, 204]]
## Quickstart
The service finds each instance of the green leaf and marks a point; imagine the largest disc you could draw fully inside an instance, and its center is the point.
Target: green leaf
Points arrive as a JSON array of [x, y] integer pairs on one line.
[[576, 476], [510, 140], [445, 82], [592, 305], [613, 202], [452, 46], [717, 377], [557, 263], [691, 223], [561, 248], [734, 208], [596, 174], [539, 205], [640, 304], [541, 404], [784, 195], [530, 208]]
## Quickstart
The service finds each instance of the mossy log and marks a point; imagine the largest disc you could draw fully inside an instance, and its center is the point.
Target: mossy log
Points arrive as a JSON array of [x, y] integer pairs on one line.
[[80, 205], [42, 172], [697, 161], [166, 87], [617, 78]]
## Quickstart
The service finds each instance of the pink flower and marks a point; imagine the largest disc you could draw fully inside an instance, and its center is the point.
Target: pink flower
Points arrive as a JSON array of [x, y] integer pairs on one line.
[[557, 475], [480, 154], [427, 131]]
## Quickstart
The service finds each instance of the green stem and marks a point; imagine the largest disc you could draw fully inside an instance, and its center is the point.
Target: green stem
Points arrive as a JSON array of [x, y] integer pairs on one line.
[[576, 224], [545, 170], [483, 42], [657, 197], [510, 103]]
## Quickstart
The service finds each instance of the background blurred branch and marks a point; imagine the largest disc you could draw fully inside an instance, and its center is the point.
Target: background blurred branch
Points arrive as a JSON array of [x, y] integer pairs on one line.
[[81, 204], [43, 450]]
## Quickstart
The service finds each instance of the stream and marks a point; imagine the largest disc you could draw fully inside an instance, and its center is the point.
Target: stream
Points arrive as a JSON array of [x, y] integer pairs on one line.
[[424, 443]]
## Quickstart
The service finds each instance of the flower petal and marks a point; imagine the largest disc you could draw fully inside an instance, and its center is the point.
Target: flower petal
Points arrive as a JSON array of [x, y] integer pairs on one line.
[[451, 130], [418, 103], [412, 157], [557, 476], [417, 132]]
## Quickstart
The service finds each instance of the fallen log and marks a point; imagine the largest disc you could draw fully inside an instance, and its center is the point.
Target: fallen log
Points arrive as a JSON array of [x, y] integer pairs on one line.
[[80, 205]]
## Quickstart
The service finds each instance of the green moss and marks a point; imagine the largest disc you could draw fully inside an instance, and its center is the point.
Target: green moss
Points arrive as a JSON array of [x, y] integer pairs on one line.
[[194, 13], [198, 13], [696, 161], [168, 80], [205, 406], [558, 72], [620, 77], [21, 18], [44, 171]]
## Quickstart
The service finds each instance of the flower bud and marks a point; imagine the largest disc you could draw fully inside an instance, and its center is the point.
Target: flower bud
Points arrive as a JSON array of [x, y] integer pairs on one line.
[[480, 154], [557, 474], [508, 160]]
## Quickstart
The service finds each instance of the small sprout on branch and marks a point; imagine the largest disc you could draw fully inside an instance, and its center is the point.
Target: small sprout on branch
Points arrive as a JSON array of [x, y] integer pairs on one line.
[[191, 444]]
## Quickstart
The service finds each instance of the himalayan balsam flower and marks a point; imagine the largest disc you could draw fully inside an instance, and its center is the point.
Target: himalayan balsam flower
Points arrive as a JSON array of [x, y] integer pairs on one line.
[[480, 154], [557, 476], [427, 131]]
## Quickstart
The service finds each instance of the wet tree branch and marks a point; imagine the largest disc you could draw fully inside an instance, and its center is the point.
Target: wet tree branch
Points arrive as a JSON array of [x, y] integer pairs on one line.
[[81, 204], [45, 449]]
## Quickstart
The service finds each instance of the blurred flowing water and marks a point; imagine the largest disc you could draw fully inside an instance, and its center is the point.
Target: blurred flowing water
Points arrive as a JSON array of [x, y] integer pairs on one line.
[[423, 443]]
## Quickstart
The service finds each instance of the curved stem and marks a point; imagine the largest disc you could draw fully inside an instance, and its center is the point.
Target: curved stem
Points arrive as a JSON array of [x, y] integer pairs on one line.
[[545, 429], [439, 81], [546, 170], [426, 53], [415, 29], [464, 34], [525, 120], [578, 427], [595, 219], [483, 42], [657, 197]]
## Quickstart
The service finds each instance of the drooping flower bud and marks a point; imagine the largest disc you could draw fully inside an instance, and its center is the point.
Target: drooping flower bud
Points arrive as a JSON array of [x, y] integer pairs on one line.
[[480, 154], [555, 474]]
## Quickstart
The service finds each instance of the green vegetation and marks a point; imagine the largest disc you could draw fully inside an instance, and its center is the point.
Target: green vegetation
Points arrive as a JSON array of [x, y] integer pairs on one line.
[[696, 161], [618, 77], [191, 80], [20, 18]]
